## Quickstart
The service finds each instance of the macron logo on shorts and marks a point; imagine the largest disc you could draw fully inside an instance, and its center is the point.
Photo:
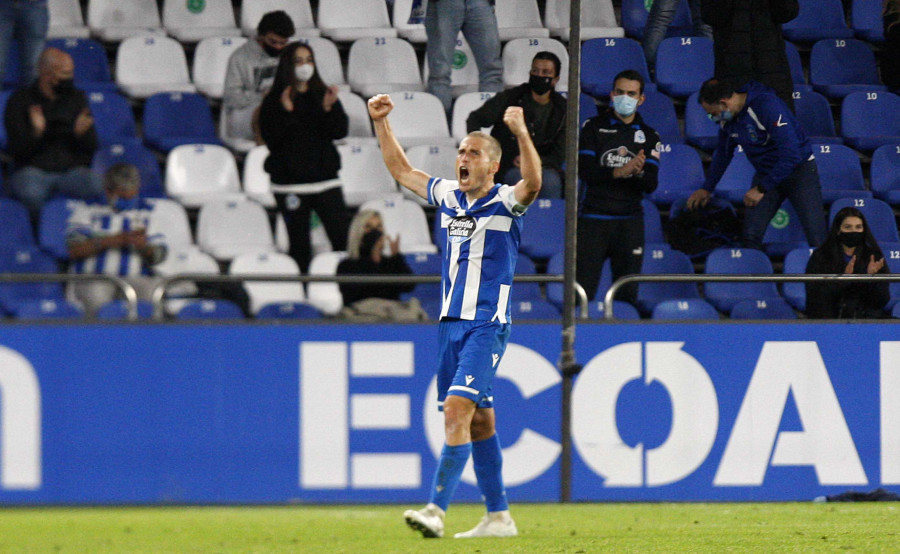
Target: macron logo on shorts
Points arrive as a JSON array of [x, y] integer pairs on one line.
[[469, 380]]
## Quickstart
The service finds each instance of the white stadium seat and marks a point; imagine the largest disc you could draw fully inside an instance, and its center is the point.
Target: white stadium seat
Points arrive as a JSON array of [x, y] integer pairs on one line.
[[406, 218], [519, 18], [299, 10], [383, 65], [414, 32], [462, 107], [170, 220], [211, 63], [66, 20], [363, 174], [328, 61], [517, 56], [358, 114], [434, 159], [419, 118], [598, 19], [196, 173], [257, 184], [229, 228], [115, 20], [195, 21], [184, 258], [326, 297], [146, 65], [268, 292], [349, 20]]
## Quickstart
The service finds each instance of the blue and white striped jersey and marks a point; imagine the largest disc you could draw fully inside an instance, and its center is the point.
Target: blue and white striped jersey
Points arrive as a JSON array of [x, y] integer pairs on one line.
[[481, 250]]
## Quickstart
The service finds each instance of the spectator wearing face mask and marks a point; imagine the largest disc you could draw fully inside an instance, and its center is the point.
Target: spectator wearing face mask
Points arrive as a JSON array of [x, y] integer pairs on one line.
[[51, 136], [250, 73], [618, 162], [545, 116]]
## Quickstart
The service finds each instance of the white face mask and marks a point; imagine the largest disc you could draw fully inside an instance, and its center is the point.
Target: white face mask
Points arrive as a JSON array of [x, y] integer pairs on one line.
[[304, 72]]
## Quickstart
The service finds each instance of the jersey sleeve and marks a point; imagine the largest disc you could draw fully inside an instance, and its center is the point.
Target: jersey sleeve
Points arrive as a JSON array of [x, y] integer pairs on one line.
[[508, 197], [438, 188]]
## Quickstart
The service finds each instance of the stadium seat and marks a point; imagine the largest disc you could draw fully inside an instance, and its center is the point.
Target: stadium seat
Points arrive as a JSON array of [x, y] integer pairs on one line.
[[884, 173], [27, 260], [658, 111], [699, 130], [796, 66], [16, 231], [462, 107], [118, 309], [174, 119], [48, 308], [66, 20], [299, 11], [424, 263], [195, 21], [870, 119], [769, 308], [382, 65], [556, 266], [795, 264], [146, 65], [635, 13], [604, 58], [413, 32], [325, 296], [404, 218], [840, 172], [289, 310], [621, 310], [518, 54], [113, 118], [682, 64], [350, 20], [817, 20], [737, 178], [463, 72], [598, 19], [784, 232], [199, 172], [360, 125], [256, 181], [879, 216], [210, 309], [866, 20], [228, 228], [659, 261], [892, 257], [262, 293], [136, 154], [653, 231], [211, 63], [526, 290], [363, 174], [170, 221], [435, 160], [544, 226], [91, 63], [328, 61], [519, 18], [185, 258], [725, 295], [533, 308], [680, 174], [419, 118], [814, 113], [587, 108], [838, 67], [115, 20], [53, 224], [689, 308]]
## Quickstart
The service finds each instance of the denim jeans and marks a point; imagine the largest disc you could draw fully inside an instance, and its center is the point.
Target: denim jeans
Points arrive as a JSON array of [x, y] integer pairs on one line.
[[33, 187], [802, 188], [444, 19], [551, 181], [661, 16], [25, 21]]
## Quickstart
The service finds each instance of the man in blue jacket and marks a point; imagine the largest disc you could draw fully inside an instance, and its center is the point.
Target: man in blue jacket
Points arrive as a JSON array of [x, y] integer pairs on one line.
[[755, 119]]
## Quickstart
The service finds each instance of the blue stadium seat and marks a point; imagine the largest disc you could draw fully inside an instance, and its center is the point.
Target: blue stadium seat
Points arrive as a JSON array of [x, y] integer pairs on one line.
[[699, 130], [838, 67], [556, 266], [16, 230], [26, 260], [533, 308], [870, 120], [137, 154], [52, 227], [688, 308], [891, 253], [4, 97], [658, 111], [175, 118], [587, 108], [13, 69], [91, 63], [603, 58], [817, 19], [840, 172], [814, 113], [737, 178], [48, 308], [879, 216], [784, 232], [526, 291], [635, 13], [543, 235], [113, 117], [884, 173], [653, 231], [725, 261], [621, 310], [210, 309], [769, 308], [795, 263], [796, 66], [866, 20], [680, 174], [288, 310], [659, 261], [682, 64], [118, 309], [424, 263]]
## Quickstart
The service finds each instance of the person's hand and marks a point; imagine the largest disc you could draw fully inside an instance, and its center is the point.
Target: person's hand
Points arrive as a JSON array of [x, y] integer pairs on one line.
[[848, 269], [753, 197], [514, 118], [83, 122], [394, 244], [379, 106], [634, 166], [286, 101], [331, 96], [874, 267], [698, 199], [38, 120], [136, 239]]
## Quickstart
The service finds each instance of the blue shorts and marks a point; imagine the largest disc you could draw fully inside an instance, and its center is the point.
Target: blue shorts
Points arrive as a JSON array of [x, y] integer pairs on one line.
[[470, 352]]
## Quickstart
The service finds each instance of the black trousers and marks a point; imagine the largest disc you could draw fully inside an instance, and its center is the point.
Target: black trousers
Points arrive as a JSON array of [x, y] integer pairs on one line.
[[332, 212], [620, 240]]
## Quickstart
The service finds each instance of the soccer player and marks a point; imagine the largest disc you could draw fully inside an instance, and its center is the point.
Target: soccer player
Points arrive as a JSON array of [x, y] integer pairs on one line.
[[483, 226]]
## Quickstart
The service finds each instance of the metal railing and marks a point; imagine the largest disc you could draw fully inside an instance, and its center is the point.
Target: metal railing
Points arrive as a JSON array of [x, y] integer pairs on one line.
[[131, 298]]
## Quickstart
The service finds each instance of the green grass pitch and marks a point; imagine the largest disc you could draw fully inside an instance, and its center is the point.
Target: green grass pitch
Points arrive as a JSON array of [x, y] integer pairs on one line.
[[576, 528]]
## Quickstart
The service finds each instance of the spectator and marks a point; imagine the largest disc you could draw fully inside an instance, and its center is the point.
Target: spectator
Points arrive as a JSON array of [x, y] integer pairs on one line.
[[545, 115], [25, 21], [890, 51], [662, 13], [51, 136], [849, 249], [444, 19], [749, 44], [251, 70], [758, 121], [618, 163], [112, 238], [299, 118]]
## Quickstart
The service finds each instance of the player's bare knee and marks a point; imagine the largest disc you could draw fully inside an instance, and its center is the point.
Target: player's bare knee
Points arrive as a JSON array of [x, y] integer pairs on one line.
[[458, 413], [483, 426]]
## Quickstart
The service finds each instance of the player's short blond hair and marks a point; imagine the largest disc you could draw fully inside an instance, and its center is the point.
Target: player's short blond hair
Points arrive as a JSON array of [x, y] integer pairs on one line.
[[493, 145]]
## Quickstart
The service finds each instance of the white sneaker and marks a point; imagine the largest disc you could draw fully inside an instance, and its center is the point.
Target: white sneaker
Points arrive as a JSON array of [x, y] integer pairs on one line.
[[494, 524], [429, 521]]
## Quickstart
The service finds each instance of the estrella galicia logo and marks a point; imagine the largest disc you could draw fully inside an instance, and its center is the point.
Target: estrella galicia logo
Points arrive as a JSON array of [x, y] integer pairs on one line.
[[617, 157], [461, 228]]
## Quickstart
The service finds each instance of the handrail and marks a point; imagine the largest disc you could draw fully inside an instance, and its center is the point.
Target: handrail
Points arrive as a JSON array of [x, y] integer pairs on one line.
[[733, 278], [158, 294], [127, 289]]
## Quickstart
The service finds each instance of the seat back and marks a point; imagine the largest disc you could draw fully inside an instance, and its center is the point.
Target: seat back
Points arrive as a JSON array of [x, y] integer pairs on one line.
[[113, 117], [197, 172], [412, 31], [404, 218], [688, 308], [262, 293], [136, 14], [879, 215], [699, 130], [299, 11], [65, 16], [425, 263], [170, 220], [519, 18], [462, 107], [769, 308], [519, 52], [15, 232], [136, 154], [26, 260], [604, 58], [174, 118], [150, 64], [352, 19], [211, 63], [818, 19], [91, 63], [228, 228], [682, 64], [533, 308], [725, 295], [419, 118], [814, 113], [680, 173], [53, 226], [658, 112], [653, 231], [842, 62], [796, 66], [256, 180], [325, 296], [660, 261], [795, 264], [543, 229], [357, 113], [885, 169], [382, 64], [598, 19], [328, 60], [840, 172], [867, 21], [870, 119], [363, 174], [211, 14]]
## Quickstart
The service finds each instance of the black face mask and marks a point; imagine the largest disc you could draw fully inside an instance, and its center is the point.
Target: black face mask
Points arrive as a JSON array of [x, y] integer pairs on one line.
[[368, 243], [851, 239], [271, 50], [539, 85], [64, 86]]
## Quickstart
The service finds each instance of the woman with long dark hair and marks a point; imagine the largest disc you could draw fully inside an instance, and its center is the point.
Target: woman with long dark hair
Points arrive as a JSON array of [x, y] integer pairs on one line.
[[850, 248], [299, 118]]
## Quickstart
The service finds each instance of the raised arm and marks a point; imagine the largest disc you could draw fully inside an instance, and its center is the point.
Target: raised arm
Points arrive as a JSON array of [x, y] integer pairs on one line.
[[529, 187], [394, 157]]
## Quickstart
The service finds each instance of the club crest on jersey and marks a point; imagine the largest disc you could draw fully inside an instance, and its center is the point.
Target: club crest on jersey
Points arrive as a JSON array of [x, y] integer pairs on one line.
[[461, 228], [639, 137]]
